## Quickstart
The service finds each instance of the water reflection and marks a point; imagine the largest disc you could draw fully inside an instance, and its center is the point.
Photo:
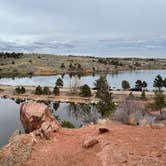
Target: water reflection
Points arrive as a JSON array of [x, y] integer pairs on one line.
[[114, 79], [9, 119], [77, 114]]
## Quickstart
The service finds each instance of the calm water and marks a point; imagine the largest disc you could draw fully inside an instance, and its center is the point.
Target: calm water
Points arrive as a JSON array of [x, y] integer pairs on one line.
[[113, 79], [77, 114], [9, 119]]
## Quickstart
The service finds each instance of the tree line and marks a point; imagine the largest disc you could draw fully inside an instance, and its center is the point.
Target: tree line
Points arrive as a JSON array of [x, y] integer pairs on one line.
[[10, 55]]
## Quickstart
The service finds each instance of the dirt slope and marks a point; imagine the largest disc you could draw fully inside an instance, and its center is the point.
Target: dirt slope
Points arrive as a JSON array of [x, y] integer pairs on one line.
[[122, 145]]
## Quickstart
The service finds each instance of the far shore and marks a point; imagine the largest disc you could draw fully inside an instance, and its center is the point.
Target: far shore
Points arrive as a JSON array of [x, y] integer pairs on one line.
[[28, 65]]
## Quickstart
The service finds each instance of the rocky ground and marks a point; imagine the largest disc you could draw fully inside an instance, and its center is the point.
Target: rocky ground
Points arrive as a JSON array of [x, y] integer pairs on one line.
[[122, 145], [108, 143]]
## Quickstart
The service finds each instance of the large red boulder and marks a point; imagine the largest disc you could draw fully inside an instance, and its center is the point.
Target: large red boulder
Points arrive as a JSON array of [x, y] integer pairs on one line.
[[37, 117]]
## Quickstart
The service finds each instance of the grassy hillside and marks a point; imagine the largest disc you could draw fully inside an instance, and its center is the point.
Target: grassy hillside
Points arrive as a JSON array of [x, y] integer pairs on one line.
[[40, 64]]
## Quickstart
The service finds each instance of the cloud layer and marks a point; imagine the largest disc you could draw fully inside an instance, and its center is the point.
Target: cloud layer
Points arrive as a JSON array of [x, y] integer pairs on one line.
[[96, 27]]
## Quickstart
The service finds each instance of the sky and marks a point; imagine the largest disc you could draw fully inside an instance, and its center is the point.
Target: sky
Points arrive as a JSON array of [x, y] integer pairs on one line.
[[112, 28]]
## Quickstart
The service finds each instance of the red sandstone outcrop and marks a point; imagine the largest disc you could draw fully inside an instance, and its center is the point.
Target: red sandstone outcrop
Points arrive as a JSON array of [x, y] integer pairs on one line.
[[37, 118]]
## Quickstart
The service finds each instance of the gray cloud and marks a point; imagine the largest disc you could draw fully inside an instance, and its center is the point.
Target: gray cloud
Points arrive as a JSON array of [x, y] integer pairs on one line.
[[99, 27]]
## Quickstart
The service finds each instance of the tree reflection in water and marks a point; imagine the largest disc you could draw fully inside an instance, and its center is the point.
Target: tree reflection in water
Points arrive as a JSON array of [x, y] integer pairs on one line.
[[86, 113], [56, 105], [78, 114]]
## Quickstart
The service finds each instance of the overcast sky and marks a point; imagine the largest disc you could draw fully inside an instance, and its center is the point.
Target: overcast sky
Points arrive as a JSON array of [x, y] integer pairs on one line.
[[87, 27]]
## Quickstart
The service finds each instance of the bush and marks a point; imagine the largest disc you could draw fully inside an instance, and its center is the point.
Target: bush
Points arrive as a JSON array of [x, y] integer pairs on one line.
[[38, 90], [158, 82], [56, 91], [85, 91], [20, 90], [46, 90], [18, 100], [59, 82], [125, 85], [57, 118], [62, 65], [67, 124]]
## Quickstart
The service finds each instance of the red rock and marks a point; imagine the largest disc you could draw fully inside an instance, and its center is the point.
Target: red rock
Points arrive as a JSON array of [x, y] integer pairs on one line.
[[103, 130], [35, 116], [89, 142]]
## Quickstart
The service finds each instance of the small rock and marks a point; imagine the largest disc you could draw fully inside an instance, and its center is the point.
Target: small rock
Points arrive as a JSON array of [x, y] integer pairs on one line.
[[89, 142], [157, 125], [103, 130]]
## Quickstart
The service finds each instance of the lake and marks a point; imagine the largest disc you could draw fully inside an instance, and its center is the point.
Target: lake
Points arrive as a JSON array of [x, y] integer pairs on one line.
[[113, 79], [77, 114]]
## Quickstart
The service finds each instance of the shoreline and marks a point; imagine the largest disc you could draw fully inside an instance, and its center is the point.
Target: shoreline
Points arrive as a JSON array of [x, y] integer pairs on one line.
[[73, 74], [7, 91]]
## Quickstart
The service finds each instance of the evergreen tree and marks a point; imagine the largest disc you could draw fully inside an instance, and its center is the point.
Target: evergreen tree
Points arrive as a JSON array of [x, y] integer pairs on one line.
[[144, 84], [20, 90], [85, 91], [56, 91], [59, 82], [164, 84], [38, 90], [158, 82], [125, 85], [46, 90], [106, 105], [138, 84]]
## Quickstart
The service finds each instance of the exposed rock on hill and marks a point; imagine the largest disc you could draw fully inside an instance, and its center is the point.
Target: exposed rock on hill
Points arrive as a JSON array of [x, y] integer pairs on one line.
[[37, 118]]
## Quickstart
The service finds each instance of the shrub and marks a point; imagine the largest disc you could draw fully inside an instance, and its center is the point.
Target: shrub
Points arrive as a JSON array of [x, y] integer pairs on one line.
[[46, 90], [38, 90], [138, 84], [59, 82], [62, 65], [56, 91], [85, 91], [125, 84], [158, 82], [20, 90], [57, 118], [67, 124]]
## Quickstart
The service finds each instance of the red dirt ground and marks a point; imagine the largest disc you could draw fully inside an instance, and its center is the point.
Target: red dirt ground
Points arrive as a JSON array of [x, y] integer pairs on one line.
[[123, 145]]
